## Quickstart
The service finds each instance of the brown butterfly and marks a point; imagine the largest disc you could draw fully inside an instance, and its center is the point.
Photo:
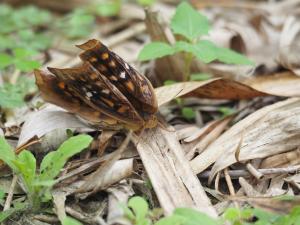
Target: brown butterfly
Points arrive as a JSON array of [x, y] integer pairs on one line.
[[105, 90]]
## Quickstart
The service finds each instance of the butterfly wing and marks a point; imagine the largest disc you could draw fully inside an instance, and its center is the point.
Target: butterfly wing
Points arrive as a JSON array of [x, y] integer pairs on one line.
[[135, 87], [88, 85], [56, 92]]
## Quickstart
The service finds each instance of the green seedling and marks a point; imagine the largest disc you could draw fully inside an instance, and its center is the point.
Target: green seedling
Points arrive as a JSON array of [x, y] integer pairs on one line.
[[38, 183], [190, 26]]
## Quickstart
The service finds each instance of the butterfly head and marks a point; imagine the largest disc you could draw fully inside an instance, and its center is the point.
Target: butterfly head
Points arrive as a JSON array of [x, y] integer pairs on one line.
[[151, 122]]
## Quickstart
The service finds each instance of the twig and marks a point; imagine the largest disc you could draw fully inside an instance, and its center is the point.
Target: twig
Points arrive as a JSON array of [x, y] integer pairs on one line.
[[170, 173], [83, 218], [235, 174], [217, 181], [254, 172], [229, 182], [46, 219], [10, 193]]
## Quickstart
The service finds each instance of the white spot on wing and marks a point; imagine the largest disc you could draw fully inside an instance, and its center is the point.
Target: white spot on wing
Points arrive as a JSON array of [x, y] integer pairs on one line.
[[126, 66], [89, 94], [123, 75], [105, 91]]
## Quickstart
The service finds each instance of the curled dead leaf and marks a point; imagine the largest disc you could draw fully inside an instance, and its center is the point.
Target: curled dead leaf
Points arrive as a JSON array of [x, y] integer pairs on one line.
[[271, 130], [284, 84], [214, 88]]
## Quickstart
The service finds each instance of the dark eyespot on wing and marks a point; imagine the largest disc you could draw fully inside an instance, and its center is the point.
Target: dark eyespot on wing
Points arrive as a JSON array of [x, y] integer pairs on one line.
[[96, 92]]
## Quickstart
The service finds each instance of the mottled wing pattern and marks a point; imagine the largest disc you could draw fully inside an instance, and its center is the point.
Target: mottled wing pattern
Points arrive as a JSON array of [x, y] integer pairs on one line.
[[135, 87], [94, 90], [58, 93]]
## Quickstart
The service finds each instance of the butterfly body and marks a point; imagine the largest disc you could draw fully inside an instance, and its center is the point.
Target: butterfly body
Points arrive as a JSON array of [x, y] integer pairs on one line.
[[104, 90]]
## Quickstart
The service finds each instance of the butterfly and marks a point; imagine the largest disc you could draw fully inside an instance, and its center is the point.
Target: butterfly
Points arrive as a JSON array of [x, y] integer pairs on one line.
[[104, 90]]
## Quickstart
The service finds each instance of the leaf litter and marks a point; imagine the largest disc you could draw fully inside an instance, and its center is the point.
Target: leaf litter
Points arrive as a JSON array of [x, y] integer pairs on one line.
[[257, 144]]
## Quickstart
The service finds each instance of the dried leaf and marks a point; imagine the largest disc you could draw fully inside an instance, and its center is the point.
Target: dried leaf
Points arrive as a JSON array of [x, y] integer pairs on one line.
[[269, 131], [215, 88], [47, 120], [281, 84], [289, 46]]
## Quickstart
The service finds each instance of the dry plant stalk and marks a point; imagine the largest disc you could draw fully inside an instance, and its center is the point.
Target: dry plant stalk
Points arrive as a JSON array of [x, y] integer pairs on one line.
[[170, 173], [168, 67]]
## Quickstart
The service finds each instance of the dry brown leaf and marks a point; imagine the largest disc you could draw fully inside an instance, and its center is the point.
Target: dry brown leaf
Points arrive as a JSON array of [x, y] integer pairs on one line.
[[274, 205], [294, 180], [118, 195], [103, 176], [214, 88], [168, 67], [289, 46], [185, 132], [47, 120], [276, 186], [268, 131], [210, 133], [281, 84], [282, 160]]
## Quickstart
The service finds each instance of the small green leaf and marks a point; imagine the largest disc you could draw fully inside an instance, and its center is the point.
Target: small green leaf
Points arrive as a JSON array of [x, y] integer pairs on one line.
[[27, 165], [189, 23], [171, 220], [205, 51], [27, 65], [23, 53], [194, 217], [7, 153], [200, 77], [108, 8], [70, 221], [155, 50], [77, 24], [48, 161], [139, 206], [5, 60], [7, 213], [169, 82], [226, 111], [232, 214], [127, 212], [54, 161], [45, 183], [31, 16], [5, 10], [146, 2], [6, 42], [264, 216], [231, 57], [188, 113], [11, 96]]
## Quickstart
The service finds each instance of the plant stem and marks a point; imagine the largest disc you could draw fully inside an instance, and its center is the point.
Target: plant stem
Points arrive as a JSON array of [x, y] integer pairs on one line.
[[35, 201], [188, 58]]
